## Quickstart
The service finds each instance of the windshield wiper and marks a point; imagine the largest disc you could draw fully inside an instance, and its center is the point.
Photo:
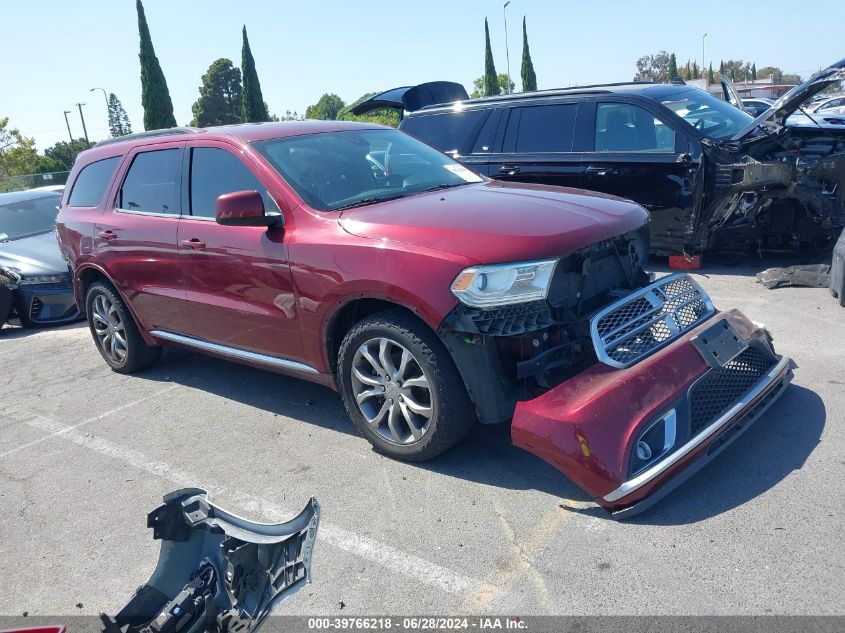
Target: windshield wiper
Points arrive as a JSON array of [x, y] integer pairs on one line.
[[367, 201], [444, 186]]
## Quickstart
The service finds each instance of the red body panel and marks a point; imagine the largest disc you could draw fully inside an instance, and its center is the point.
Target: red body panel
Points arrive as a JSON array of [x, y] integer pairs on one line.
[[586, 426]]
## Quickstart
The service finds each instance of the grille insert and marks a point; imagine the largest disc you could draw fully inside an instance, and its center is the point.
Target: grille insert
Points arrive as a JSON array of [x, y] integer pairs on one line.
[[637, 325], [716, 391]]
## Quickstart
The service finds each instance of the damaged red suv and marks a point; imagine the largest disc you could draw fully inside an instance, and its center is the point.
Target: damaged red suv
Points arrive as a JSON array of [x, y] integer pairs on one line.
[[430, 297]]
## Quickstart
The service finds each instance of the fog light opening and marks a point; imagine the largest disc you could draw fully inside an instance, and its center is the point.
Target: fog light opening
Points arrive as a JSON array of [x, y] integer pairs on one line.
[[643, 451]]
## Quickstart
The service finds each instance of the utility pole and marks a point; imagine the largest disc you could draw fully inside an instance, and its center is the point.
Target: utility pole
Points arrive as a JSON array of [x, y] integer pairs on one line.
[[82, 118], [703, 63], [68, 126], [105, 96], [507, 52]]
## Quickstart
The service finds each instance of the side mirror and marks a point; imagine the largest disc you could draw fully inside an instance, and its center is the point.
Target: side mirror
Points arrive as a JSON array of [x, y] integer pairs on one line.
[[244, 208]]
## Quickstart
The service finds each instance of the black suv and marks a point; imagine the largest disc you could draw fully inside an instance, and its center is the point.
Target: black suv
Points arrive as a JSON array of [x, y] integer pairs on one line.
[[711, 175]]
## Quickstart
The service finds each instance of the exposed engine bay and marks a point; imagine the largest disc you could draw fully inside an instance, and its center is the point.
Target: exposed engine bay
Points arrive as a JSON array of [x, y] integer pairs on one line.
[[785, 193], [520, 351]]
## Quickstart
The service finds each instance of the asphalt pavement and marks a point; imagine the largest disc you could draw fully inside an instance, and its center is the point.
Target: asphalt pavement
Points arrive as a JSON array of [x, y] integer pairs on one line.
[[85, 453]]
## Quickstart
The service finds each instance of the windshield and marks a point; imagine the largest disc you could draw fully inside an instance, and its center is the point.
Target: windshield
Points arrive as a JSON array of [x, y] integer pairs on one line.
[[713, 117], [29, 216], [338, 170]]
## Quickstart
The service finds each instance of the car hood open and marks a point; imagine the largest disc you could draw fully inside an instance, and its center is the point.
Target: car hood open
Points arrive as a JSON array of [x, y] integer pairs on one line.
[[36, 255], [792, 100], [410, 98], [496, 221]]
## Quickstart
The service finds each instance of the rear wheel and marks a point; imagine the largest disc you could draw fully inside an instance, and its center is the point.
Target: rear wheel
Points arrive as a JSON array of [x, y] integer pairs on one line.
[[401, 388], [114, 331]]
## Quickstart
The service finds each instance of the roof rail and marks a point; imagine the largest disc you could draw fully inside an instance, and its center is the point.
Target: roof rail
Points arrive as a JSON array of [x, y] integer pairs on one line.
[[594, 88], [151, 134]]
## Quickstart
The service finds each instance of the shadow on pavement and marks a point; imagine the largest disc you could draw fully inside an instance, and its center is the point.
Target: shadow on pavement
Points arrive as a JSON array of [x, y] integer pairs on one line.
[[716, 264], [13, 330]]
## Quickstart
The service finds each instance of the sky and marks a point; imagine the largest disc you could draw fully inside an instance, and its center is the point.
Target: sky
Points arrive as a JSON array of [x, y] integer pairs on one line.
[[53, 51]]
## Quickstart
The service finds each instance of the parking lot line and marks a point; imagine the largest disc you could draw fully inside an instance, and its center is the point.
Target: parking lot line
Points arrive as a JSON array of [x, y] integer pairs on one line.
[[20, 413], [390, 558]]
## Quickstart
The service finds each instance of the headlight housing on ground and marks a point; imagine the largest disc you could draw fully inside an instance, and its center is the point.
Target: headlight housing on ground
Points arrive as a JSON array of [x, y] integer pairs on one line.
[[504, 284], [45, 279]]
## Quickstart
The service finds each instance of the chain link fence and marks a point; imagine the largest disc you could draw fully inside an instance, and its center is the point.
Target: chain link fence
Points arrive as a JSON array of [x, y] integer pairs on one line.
[[31, 181]]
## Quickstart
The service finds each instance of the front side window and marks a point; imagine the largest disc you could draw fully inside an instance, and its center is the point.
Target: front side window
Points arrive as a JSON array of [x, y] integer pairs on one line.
[[23, 214], [215, 172], [623, 127], [447, 132], [152, 185], [91, 183], [547, 128], [331, 171]]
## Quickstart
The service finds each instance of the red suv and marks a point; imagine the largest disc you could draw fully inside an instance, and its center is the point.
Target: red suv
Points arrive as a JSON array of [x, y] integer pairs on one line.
[[430, 297]]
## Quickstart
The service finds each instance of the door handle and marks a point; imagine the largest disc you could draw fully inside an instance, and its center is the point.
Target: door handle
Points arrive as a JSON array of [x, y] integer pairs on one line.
[[510, 170], [194, 244], [598, 171], [107, 235]]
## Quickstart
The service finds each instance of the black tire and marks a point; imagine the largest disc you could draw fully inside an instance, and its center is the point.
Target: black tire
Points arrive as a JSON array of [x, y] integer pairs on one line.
[[138, 355], [452, 412]]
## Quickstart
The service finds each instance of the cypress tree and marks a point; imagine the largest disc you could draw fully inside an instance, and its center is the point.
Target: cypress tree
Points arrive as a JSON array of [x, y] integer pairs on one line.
[[721, 67], [491, 80], [155, 97], [710, 77], [673, 67], [254, 108], [529, 77], [689, 71], [754, 71]]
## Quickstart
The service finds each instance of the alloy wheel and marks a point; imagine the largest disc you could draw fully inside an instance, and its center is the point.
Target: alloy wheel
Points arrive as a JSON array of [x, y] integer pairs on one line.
[[109, 328], [392, 391]]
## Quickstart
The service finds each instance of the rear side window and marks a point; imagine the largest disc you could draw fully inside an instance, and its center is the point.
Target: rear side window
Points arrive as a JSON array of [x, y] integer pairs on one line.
[[623, 127], [543, 128], [215, 172], [92, 182], [447, 132], [152, 185]]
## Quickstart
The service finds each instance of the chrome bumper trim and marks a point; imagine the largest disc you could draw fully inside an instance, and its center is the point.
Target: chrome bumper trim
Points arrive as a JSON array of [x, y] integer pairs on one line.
[[661, 467]]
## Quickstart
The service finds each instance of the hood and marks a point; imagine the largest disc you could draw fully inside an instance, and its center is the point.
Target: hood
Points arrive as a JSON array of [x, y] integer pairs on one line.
[[35, 255], [410, 98], [793, 99], [497, 221]]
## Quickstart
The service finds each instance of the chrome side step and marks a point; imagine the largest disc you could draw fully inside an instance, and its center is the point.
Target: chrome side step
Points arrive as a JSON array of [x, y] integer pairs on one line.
[[234, 352]]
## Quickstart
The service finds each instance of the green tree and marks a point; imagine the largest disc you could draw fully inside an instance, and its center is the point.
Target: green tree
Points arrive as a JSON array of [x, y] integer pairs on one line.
[[688, 71], [254, 108], [64, 153], [326, 109], [388, 116], [502, 80], [696, 73], [754, 71], [672, 70], [118, 119], [710, 78], [529, 77], [653, 67], [491, 83], [721, 67], [155, 97], [17, 152], [221, 99]]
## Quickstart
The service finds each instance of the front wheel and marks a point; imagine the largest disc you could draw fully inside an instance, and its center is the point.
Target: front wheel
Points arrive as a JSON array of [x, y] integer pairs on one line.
[[401, 388], [114, 331]]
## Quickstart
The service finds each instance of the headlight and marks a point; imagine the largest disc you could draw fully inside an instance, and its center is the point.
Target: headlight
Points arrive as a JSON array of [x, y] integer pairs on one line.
[[504, 284], [45, 279]]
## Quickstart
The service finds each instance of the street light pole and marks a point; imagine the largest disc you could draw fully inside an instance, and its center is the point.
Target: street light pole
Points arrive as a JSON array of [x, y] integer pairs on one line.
[[68, 126], [703, 63], [507, 52], [105, 96], [82, 118]]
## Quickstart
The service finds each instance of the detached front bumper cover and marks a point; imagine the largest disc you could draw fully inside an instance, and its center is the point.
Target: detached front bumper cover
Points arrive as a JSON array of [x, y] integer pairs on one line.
[[217, 571], [676, 383]]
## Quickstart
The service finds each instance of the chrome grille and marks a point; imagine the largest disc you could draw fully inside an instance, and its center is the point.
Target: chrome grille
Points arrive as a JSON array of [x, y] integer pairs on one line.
[[637, 325]]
